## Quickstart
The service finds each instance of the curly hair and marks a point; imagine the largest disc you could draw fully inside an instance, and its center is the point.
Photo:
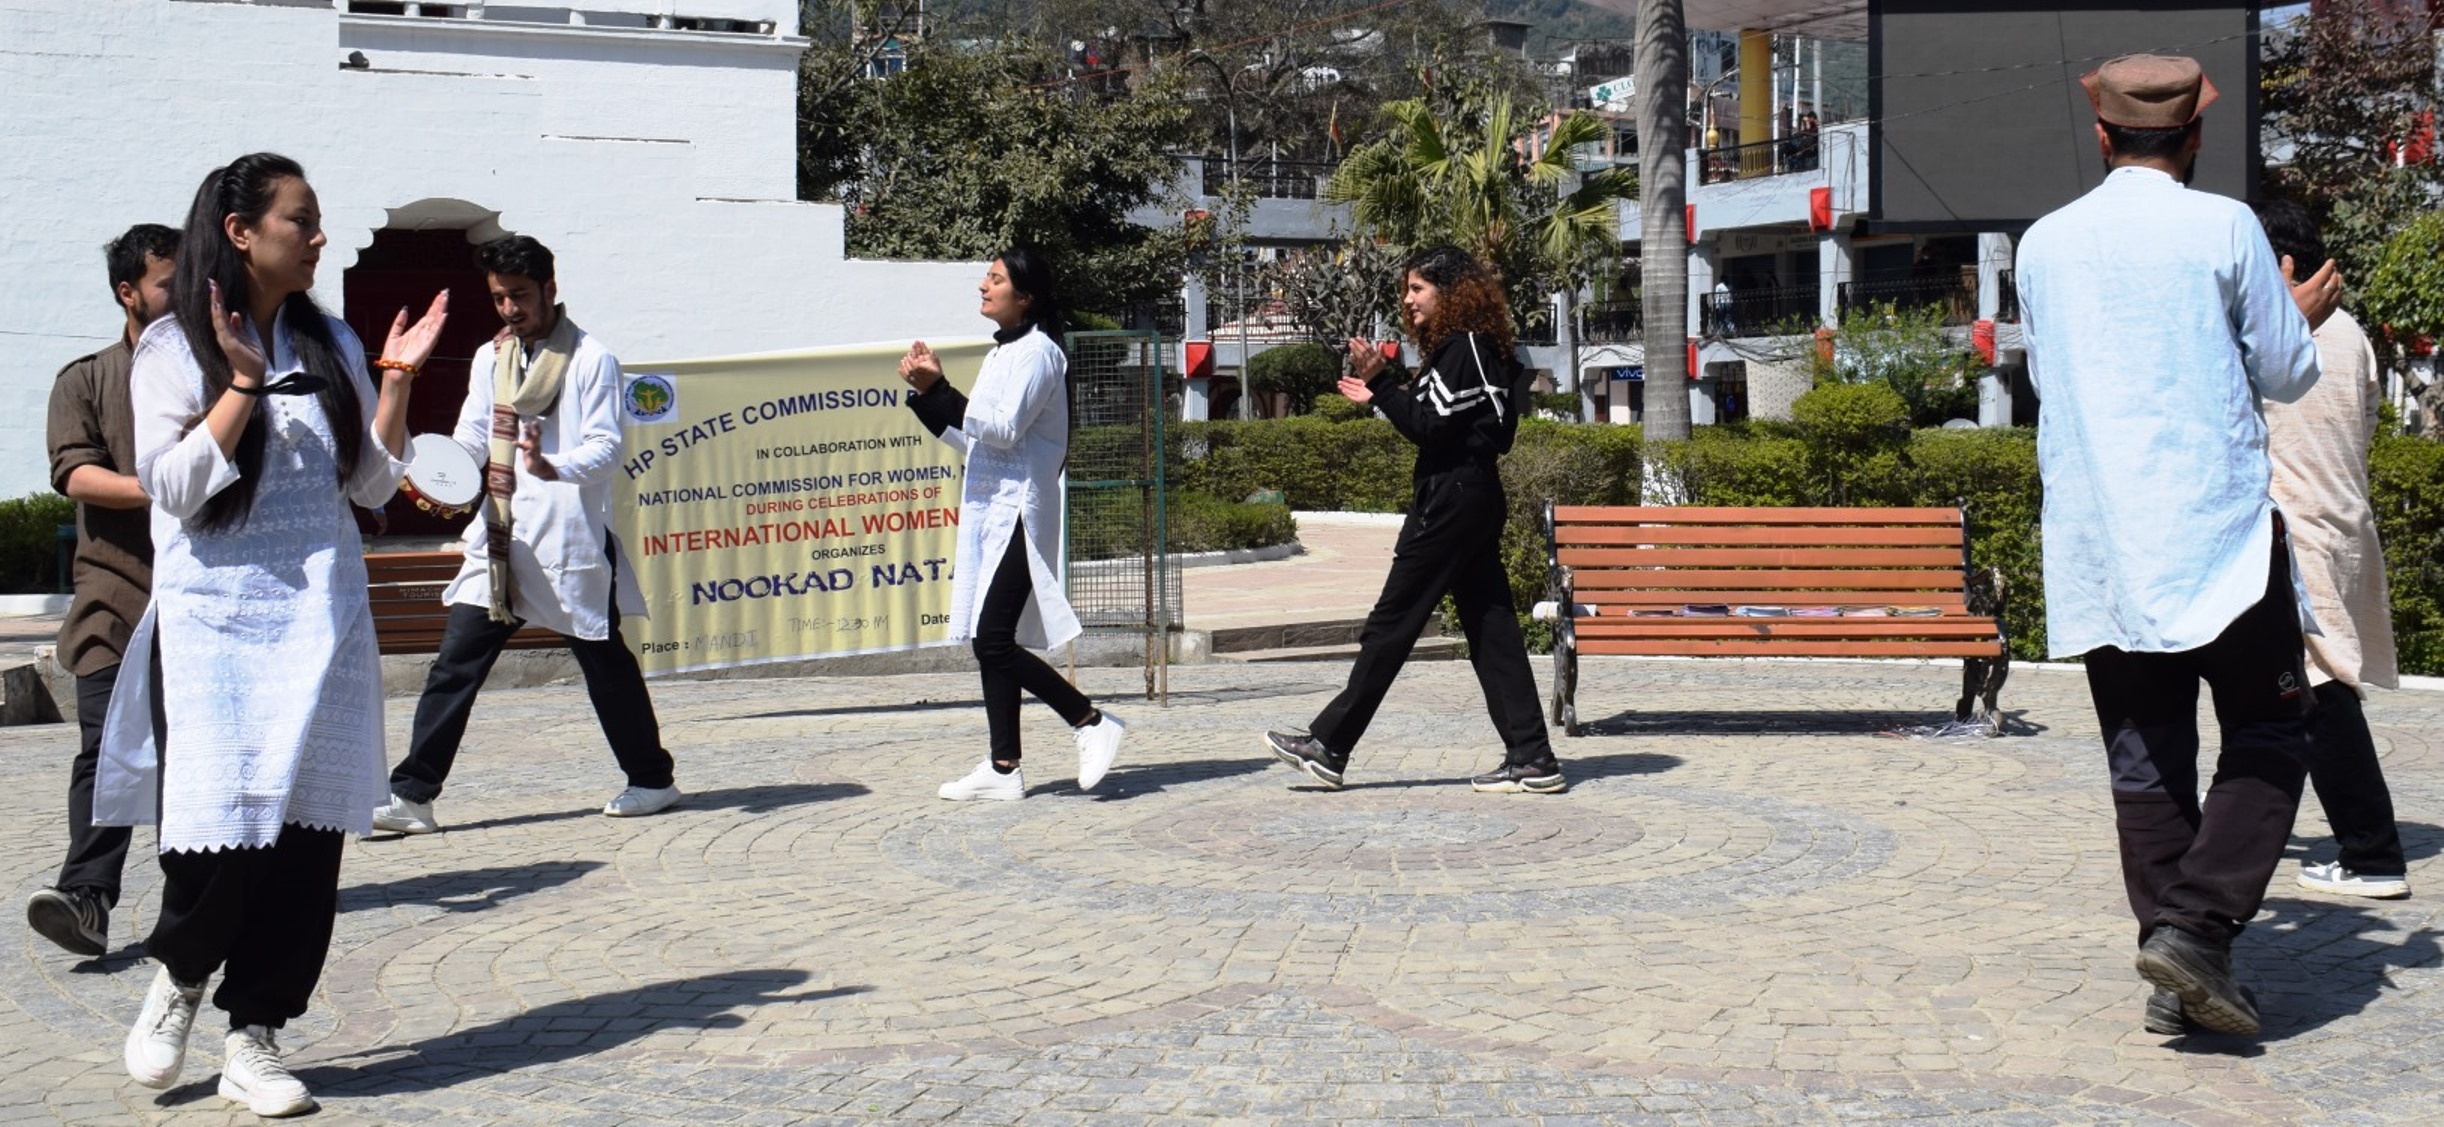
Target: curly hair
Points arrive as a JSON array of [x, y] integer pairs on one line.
[[1470, 299]]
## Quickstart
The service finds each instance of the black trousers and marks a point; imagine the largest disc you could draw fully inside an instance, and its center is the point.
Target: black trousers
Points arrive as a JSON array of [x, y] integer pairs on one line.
[[1008, 667], [262, 917], [470, 644], [1451, 543], [2350, 784], [2203, 869], [96, 854]]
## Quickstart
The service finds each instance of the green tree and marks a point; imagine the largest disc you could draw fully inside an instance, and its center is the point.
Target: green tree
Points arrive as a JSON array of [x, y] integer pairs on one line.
[[2348, 94], [1451, 168], [1907, 351], [973, 148], [1339, 290], [2403, 295]]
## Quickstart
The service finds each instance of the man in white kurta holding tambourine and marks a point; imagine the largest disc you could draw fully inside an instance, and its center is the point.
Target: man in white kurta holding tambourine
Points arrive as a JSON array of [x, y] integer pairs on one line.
[[542, 417]]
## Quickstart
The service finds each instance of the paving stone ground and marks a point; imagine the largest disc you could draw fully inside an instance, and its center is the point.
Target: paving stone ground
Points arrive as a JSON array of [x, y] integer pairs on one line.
[[1751, 908]]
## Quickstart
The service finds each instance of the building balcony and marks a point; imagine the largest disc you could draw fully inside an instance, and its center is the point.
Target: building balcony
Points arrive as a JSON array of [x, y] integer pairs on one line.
[[1777, 311], [1612, 322], [1955, 296]]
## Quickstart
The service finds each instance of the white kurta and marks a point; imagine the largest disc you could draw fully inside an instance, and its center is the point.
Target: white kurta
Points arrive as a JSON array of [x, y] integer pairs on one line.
[[558, 529], [1016, 437], [272, 684], [2319, 446], [2155, 318]]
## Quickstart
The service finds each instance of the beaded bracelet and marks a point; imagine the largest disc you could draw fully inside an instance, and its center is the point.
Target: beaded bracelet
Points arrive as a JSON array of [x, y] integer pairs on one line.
[[395, 366]]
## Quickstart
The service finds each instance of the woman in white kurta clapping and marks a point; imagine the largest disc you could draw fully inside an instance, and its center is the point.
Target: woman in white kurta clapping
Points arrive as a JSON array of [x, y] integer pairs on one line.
[[253, 735], [1006, 592]]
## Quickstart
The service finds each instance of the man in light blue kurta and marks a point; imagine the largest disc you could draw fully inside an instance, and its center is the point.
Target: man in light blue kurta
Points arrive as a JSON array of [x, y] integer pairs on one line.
[[2156, 316]]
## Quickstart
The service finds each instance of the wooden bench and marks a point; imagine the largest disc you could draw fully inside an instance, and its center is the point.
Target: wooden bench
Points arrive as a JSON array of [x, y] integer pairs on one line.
[[408, 614], [1608, 564]]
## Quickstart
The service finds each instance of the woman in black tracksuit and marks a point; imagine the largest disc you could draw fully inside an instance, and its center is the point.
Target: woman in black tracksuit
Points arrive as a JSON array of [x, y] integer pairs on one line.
[[1462, 411]]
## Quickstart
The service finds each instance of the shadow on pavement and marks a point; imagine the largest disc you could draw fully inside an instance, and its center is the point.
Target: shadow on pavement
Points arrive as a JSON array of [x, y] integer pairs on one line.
[[852, 710], [767, 797], [1126, 782], [560, 1031], [2326, 964], [467, 890], [1769, 722]]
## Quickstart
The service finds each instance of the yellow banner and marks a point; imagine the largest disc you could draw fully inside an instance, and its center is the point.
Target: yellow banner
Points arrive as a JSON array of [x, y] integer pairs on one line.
[[785, 506]]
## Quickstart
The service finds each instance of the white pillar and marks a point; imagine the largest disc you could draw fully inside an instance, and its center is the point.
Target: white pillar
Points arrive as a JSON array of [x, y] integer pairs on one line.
[[1994, 388], [1196, 402], [1836, 263]]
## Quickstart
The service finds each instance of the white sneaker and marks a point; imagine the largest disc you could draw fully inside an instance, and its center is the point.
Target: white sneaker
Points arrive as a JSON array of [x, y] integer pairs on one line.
[[157, 1043], [985, 782], [636, 802], [399, 816], [2331, 877], [1098, 746], [252, 1074]]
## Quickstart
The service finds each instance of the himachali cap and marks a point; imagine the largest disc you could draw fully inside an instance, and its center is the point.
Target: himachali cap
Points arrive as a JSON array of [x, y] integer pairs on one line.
[[2148, 91]]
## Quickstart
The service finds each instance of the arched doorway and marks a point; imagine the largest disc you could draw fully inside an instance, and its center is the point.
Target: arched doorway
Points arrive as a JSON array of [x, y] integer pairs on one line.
[[405, 267]]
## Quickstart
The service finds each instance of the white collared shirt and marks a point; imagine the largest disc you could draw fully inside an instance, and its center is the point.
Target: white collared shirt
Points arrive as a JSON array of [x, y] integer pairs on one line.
[[2155, 318]]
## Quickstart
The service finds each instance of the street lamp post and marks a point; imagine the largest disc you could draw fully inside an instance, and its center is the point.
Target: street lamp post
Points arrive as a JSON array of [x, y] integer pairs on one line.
[[1238, 267]]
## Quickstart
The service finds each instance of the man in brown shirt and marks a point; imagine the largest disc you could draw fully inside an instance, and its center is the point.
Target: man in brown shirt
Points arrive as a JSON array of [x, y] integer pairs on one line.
[[93, 461]]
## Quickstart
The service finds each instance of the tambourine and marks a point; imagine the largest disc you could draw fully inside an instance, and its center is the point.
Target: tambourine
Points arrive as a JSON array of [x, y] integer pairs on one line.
[[442, 478]]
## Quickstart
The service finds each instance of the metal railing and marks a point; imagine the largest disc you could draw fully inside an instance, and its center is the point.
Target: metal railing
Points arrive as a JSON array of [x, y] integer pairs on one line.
[[1758, 312], [1270, 179], [1957, 298], [1612, 322], [1800, 152]]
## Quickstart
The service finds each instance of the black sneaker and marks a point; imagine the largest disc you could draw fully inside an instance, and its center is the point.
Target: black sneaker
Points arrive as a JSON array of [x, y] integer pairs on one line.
[[1523, 778], [2199, 973], [74, 918], [1308, 754]]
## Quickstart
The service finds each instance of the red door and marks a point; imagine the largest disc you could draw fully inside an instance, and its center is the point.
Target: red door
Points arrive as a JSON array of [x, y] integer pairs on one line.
[[405, 268]]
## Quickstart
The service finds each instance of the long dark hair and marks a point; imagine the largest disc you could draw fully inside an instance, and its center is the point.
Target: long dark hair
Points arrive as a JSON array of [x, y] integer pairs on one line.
[[244, 188], [1031, 274], [1470, 299]]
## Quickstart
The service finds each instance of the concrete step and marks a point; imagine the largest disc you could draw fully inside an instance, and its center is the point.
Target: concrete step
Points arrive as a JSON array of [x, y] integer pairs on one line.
[[1433, 647], [1297, 635]]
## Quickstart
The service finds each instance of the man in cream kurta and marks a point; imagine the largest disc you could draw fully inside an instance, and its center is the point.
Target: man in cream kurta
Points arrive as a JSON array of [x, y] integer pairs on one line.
[[2155, 318], [564, 565], [2319, 447]]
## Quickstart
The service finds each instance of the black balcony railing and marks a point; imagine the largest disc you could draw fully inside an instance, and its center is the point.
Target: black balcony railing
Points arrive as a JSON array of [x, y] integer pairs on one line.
[[1269, 179], [1612, 322], [1800, 152], [2006, 296], [1955, 296], [1759, 312]]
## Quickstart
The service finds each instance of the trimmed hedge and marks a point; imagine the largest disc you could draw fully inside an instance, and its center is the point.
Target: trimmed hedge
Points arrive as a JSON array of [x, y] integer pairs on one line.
[[1108, 524], [2406, 483], [29, 542]]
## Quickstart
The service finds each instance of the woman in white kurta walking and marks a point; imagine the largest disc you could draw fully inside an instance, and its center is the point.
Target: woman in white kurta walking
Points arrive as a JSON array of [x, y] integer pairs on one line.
[[254, 734], [1005, 589]]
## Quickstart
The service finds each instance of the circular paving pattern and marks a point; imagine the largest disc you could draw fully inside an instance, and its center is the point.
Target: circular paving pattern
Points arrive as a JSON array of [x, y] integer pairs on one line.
[[1758, 912]]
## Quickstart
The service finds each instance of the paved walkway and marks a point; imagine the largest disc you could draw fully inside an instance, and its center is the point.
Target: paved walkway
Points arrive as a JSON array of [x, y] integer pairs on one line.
[[1750, 909], [1335, 579]]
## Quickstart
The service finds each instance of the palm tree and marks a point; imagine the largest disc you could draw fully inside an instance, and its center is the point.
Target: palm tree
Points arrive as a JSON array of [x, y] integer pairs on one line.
[[1663, 127], [1458, 172]]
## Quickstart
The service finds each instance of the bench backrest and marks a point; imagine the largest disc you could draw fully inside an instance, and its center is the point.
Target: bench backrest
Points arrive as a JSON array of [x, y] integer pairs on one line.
[[1630, 557], [408, 615]]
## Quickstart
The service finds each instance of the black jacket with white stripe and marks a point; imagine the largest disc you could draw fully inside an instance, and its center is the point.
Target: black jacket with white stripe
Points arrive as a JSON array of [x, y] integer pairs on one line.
[[1463, 409]]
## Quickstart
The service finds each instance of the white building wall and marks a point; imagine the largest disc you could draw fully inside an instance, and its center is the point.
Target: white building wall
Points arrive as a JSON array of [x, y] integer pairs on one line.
[[658, 165]]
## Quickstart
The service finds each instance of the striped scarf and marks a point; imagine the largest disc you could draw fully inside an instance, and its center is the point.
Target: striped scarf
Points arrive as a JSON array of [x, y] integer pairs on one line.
[[519, 390]]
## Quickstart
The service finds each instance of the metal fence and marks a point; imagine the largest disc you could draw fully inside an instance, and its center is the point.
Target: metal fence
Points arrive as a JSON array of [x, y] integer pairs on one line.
[[1119, 574]]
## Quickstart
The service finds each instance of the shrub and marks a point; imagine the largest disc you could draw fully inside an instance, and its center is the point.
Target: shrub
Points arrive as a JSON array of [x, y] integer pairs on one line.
[[29, 542], [1110, 524], [1300, 371], [1338, 408], [2406, 485]]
